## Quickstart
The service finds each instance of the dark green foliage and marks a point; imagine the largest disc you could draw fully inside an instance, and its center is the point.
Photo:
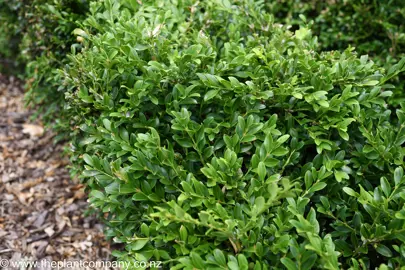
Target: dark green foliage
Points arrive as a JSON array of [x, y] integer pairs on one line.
[[9, 37], [38, 34], [374, 27], [213, 138]]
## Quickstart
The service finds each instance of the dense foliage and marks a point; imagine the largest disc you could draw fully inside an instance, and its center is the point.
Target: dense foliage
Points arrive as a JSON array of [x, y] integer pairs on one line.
[[212, 137], [215, 139], [39, 33], [9, 39], [374, 27]]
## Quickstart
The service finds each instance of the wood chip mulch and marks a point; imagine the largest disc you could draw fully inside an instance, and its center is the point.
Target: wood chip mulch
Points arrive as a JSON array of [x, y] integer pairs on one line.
[[42, 211]]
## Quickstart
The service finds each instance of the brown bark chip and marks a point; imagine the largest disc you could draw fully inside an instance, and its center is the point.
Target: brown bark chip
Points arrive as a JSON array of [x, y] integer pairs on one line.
[[42, 211]]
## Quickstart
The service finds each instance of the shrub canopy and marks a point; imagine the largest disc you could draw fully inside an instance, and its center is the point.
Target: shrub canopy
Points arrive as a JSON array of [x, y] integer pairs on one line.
[[214, 138], [374, 27], [37, 35]]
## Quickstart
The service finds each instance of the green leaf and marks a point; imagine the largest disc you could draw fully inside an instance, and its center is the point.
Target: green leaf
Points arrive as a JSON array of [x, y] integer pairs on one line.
[[211, 94], [317, 186], [383, 250], [145, 229], [323, 103], [107, 124], [233, 265], [339, 175], [271, 162], [183, 233], [88, 160], [219, 257], [350, 192], [289, 264], [97, 194], [302, 33], [260, 203], [140, 197], [242, 262], [343, 134], [398, 174], [185, 143], [280, 151], [90, 173], [308, 260], [261, 171], [197, 261], [370, 83], [385, 186], [139, 244], [248, 138], [283, 139]]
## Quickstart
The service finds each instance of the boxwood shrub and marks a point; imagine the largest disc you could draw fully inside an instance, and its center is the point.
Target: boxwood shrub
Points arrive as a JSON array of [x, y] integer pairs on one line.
[[36, 35], [214, 138], [9, 37], [374, 27]]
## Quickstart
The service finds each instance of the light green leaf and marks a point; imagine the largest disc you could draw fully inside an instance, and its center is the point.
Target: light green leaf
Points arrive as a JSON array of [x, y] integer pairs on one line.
[[211, 94]]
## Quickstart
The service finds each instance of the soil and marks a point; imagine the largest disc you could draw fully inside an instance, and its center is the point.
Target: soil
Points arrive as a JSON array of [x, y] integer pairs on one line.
[[43, 212]]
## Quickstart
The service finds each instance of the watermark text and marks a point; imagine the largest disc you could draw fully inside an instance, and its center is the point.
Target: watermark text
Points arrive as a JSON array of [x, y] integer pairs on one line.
[[68, 264]]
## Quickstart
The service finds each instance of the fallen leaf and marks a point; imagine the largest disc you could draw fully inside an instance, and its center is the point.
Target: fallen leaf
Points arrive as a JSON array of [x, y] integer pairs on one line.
[[31, 183], [3, 233], [40, 219], [49, 231], [33, 130]]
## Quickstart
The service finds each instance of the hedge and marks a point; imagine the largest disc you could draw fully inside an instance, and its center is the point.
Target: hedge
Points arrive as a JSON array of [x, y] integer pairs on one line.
[[212, 137], [373, 27], [36, 35], [40, 32], [215, 139]]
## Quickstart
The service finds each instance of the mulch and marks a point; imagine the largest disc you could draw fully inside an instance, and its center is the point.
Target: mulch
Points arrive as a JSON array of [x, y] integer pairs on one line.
[[43, 212]]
